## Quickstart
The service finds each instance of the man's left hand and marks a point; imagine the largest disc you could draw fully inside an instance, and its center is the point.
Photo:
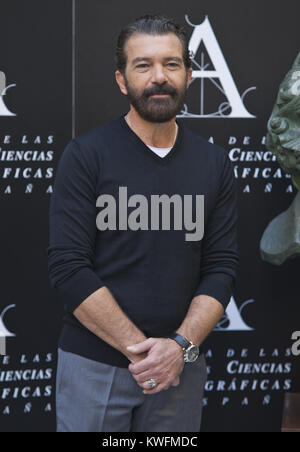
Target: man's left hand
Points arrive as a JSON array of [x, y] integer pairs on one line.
[[164, 363]]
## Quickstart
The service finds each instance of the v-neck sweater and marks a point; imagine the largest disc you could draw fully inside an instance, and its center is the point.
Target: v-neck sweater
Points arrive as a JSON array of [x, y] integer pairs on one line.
[[153, 272]]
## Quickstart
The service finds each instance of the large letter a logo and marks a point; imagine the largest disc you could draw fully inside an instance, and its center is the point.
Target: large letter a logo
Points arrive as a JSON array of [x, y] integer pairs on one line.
[[234, 106]]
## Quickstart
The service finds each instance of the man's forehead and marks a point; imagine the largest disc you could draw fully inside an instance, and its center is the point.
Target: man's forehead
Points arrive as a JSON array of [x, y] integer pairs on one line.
[[146, 45]]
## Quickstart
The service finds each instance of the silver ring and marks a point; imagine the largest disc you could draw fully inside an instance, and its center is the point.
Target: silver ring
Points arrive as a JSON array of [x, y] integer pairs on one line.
[[152, 383]]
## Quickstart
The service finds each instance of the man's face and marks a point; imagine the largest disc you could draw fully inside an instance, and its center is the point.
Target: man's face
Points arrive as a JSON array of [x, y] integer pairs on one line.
[[156, 79]]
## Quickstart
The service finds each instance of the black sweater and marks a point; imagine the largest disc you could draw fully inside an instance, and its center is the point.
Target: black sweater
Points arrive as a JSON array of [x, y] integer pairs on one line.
[[153, 273]]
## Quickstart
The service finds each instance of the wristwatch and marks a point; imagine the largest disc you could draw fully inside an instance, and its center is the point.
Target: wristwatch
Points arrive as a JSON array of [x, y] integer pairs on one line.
[[190, 351]]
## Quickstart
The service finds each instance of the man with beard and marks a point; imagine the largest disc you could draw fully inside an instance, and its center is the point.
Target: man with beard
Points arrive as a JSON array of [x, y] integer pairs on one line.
[[139, 303]]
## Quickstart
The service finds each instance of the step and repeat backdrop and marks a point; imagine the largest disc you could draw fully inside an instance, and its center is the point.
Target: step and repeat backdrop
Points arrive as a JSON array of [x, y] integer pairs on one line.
[[57, 81]]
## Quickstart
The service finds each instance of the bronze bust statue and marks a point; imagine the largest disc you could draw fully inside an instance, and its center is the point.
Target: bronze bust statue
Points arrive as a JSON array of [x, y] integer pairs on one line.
[[281, 239]]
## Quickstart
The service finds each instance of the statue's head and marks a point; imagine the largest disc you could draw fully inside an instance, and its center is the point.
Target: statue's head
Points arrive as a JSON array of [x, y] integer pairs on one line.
[[283, 137]]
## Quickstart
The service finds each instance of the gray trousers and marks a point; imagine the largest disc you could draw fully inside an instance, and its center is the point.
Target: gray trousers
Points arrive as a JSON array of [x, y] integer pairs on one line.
[[97, 397]]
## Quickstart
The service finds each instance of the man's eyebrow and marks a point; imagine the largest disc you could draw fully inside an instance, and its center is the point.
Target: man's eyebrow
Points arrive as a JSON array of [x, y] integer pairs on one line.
[[139, 59]]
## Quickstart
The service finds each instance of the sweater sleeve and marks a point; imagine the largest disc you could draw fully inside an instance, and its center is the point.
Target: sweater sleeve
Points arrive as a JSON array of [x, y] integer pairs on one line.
[[72, 229], [220, 253]]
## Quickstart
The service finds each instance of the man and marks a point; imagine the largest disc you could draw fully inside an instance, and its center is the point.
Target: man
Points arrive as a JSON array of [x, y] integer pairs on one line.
[[141, 297]]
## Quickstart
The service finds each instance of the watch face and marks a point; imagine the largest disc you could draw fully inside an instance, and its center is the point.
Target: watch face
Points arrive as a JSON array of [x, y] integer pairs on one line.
[[192, 353]]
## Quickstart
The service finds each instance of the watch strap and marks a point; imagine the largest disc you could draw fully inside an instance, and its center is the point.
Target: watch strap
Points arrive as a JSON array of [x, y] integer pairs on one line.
[[184, 342], [181, 340]]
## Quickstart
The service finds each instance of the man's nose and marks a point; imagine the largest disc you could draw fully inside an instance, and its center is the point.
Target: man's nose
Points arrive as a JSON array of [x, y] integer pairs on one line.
[[158, 75]]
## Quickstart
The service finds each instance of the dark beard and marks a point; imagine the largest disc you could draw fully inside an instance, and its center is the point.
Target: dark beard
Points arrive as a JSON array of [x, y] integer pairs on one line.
[[155, 109]]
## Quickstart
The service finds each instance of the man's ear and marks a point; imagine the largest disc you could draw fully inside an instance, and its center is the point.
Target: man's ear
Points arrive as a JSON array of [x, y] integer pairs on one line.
[[121, 82]]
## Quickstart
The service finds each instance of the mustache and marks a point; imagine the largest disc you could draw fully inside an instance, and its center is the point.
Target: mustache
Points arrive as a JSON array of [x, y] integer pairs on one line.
[[165, 89]]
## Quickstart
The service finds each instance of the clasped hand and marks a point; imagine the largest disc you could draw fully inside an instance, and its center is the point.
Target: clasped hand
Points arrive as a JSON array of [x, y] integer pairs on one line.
[[164, 363]]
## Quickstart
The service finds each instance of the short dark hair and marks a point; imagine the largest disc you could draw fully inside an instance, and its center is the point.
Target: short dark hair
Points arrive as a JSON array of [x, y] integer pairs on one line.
[[153, 25]]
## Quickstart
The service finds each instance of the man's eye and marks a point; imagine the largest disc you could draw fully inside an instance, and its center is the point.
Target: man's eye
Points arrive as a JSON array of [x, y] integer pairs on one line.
[[173, 64], [142, 66]]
